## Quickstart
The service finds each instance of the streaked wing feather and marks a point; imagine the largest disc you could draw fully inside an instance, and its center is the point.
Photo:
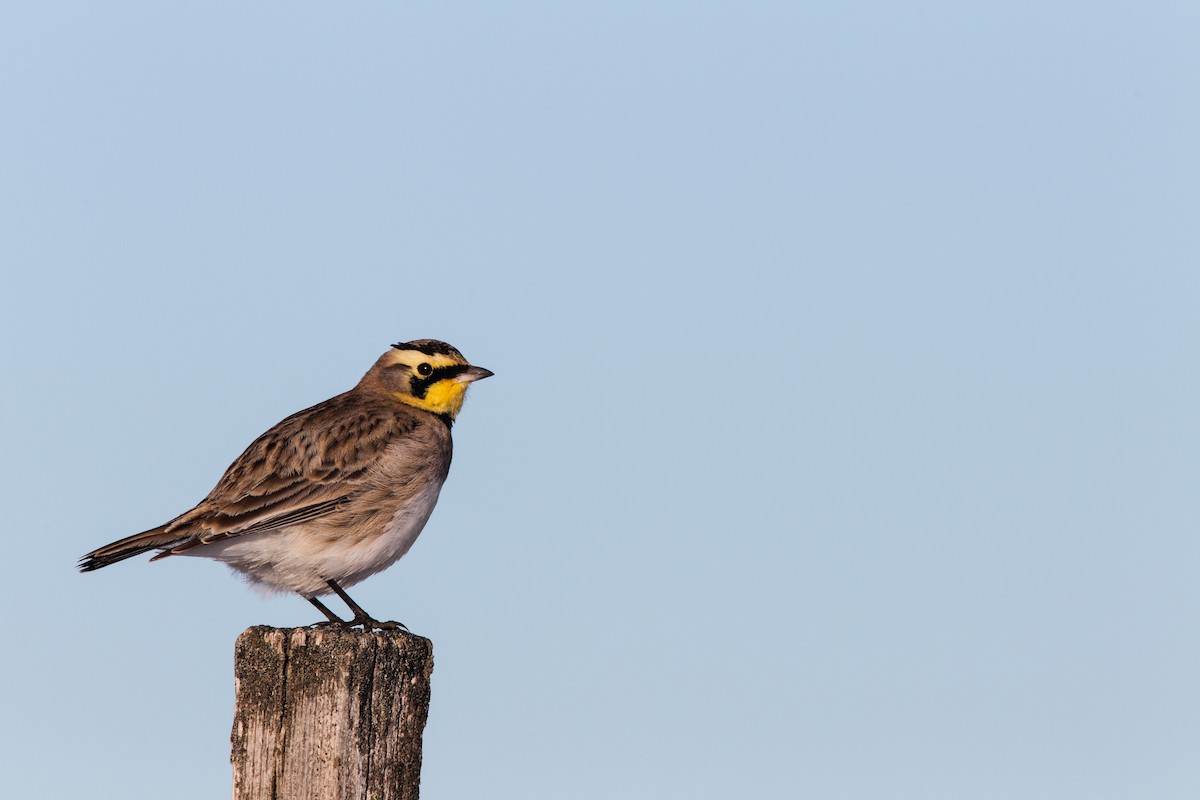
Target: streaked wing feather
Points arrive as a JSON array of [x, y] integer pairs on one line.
[[293, 517], [304, 468]]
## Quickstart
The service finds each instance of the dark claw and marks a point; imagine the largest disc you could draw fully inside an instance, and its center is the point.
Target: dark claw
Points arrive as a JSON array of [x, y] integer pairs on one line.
[[392, 625], [372, 624]]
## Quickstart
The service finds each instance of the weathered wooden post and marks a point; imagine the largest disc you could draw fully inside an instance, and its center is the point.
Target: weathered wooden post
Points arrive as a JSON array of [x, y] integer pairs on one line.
[[329, 714]]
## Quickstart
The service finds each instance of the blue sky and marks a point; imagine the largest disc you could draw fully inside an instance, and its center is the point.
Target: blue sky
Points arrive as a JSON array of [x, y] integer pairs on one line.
[[843, 437]]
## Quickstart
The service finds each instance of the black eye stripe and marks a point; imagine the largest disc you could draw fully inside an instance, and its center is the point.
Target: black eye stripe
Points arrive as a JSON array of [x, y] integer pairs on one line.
[[420, 385], [453, 371]]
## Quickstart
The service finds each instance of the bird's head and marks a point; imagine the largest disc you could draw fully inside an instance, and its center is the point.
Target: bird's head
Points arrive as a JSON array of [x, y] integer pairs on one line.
[[427, 374]]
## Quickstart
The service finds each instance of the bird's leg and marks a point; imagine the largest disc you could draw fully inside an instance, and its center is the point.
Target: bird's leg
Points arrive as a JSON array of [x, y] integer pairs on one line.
[[362, 617], [334, 619]]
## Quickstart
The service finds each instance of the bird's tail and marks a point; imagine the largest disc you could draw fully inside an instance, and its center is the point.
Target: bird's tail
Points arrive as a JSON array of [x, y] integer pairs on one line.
[[159, 538]]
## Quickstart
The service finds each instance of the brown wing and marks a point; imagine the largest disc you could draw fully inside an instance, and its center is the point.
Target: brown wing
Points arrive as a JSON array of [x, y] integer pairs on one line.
[[307, 466]]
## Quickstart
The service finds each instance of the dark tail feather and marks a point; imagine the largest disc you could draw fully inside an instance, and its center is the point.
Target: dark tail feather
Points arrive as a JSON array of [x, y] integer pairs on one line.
[[154, 539]]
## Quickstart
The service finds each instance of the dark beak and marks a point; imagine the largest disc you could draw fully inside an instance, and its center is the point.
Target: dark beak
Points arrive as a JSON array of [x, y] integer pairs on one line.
[[471, 374]]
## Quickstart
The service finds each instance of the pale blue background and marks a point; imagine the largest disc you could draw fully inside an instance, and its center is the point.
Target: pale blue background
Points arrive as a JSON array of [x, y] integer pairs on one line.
[[843, 441]]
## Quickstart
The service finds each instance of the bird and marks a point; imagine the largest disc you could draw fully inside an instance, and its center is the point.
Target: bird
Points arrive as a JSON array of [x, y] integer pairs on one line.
[[332, 494]]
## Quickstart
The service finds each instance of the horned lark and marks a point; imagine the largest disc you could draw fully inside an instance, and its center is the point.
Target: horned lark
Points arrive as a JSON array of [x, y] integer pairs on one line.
[[333, 494]]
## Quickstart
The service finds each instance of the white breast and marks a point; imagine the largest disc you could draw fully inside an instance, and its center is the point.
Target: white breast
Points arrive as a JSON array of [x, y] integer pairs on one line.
[[364, 560]]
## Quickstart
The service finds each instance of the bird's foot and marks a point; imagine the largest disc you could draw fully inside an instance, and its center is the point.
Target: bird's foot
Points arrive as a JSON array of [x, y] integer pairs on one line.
[[372, 624], [361, 618], [326, 625]]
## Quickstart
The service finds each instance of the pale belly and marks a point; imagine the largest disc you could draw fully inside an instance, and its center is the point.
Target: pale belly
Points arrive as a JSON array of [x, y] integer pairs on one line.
[[303, 557]]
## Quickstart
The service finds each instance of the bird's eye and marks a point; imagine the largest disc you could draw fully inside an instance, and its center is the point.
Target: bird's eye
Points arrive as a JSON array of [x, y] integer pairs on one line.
[[425, 369]]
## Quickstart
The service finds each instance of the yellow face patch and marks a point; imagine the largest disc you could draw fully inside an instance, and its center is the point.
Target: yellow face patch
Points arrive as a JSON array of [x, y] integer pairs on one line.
[[444, 397], [427, 389]]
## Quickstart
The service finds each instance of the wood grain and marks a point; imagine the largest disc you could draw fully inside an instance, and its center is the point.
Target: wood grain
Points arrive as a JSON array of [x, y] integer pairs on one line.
[[329, 714]]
